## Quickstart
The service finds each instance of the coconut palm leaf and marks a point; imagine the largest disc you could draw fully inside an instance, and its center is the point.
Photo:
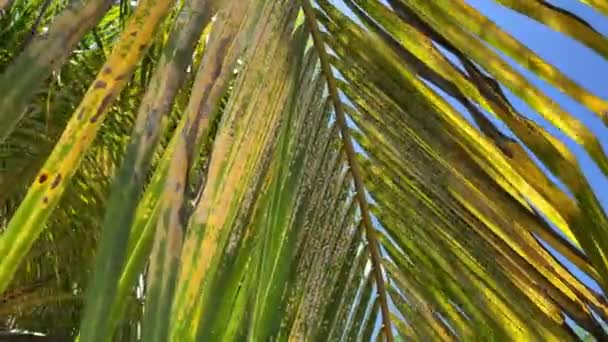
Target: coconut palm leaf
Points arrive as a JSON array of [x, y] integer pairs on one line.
[[295, 170]]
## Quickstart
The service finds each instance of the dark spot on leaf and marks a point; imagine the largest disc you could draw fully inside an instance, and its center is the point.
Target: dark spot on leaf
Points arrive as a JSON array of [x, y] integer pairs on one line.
[[43, 177], [80, 114], [107, 70], [100, 84], [134, 33], [56, 181], [102, 107], [45, 200], [149, 129], [506, 150], [120, 77], [154, 114], [142, 47]]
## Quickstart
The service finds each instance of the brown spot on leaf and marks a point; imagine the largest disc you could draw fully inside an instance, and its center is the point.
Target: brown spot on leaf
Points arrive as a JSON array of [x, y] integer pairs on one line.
[[506, 150], [136, 176], [142, 47], [56, 181], [101, 84], [45, 200], [80, 114], [43, 177], [102, 107], [107, 70], [120, 77], [133, 34]]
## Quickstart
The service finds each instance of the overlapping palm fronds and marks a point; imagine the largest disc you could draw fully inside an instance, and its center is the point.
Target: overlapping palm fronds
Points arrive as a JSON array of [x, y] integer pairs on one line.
[[296, 170]]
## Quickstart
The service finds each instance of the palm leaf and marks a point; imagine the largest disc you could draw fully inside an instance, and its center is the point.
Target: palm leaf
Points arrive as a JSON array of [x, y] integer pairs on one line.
[[332, 170]]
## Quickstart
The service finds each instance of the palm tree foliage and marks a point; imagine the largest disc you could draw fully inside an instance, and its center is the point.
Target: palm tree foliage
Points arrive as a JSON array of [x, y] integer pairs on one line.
[[227, 170]]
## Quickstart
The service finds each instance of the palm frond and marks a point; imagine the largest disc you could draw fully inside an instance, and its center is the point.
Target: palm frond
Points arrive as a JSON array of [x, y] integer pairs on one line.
[[295, 170]]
